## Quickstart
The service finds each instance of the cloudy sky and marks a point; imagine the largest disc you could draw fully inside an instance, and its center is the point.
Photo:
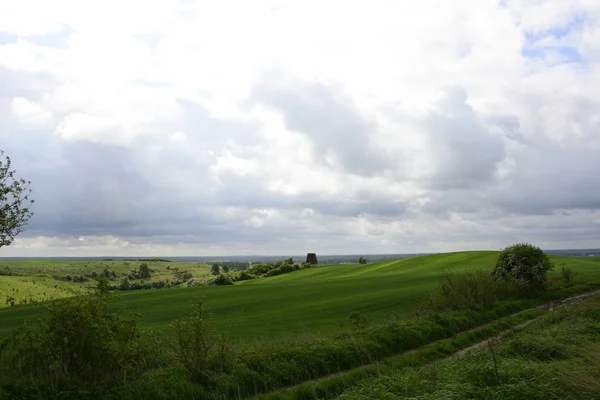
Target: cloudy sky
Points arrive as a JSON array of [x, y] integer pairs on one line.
[[192, 127]]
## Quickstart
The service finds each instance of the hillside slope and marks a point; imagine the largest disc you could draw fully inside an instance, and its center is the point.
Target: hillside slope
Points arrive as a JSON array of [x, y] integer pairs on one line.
[[316, 300]]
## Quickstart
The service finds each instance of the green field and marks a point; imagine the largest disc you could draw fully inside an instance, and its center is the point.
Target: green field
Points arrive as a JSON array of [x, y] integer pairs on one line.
[[33, 281], [313, 301]]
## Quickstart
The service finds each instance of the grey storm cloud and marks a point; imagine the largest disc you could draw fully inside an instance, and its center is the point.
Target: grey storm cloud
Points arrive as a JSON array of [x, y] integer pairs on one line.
[[465, 152], [327, 116]]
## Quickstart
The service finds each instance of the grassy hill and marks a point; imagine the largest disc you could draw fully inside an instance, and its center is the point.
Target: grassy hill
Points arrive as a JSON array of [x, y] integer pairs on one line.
[[312, 301]]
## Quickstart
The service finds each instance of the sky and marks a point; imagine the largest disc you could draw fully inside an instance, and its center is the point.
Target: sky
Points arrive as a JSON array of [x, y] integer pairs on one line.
[[188, 127]]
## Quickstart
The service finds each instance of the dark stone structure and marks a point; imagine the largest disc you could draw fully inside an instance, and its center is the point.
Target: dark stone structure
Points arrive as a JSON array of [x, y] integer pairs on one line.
[[311, 258]]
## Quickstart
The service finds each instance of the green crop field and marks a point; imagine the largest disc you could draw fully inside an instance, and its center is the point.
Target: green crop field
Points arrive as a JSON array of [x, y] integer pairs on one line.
[[307, 302], [29, 281]]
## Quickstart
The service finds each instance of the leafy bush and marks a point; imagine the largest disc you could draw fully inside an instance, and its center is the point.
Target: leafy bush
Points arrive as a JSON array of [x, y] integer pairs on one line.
[[567, 276], [222, 280], [144, 271], [198, 348], [78, 343], [124, 284], [243, 276], [358, 321], [285, 268], [524, 263], [469, 290]]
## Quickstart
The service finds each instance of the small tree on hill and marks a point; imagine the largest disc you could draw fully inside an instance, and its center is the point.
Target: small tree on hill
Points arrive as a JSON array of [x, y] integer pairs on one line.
[[144, 271], [15, 205], [362, 260], [215, 269], [524, 263]]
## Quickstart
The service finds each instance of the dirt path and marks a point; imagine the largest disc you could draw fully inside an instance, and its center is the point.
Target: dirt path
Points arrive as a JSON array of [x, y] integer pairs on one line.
[[550, 306], [547, 307]]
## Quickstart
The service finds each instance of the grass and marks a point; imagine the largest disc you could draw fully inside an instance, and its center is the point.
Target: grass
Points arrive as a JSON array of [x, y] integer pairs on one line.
[[41, 280], [555, 357], [309, 302]]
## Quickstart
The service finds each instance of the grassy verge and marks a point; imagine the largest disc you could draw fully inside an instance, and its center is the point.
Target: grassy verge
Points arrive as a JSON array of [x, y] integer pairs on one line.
[[336, 384], [555, 357], [269, 368]]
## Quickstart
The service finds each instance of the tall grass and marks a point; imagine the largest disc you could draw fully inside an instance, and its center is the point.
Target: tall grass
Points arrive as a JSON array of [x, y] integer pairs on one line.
[[555, 357], [470, 290]]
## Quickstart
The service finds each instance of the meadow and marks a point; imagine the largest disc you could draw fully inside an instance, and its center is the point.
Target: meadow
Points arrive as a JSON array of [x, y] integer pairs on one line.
[[327, 331], [305, 303]]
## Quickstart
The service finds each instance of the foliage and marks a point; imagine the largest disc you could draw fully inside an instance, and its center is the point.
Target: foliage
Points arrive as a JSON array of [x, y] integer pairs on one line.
[[469, 290], [144, 271], [215, 269], [555, 357], [78, 343], [567, 275], [198, 348], [362, 260], [525, 264], [222, 280], [15, 204], [124, 284], [358, 321]]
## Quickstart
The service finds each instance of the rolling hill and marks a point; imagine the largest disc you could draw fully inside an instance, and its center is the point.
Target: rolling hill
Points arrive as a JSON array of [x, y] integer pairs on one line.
[[311, 301]]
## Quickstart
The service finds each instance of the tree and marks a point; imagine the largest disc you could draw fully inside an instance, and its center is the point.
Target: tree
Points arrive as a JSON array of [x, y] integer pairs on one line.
[[124, 284], [362, 260], [144, 271], [15, 204], [225, 269], [215, 269], [524, 263], [222, 280]]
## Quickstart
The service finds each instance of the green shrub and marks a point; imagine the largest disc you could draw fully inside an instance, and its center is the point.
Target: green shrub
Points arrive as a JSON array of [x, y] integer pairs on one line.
[[124, 284], [144, 271], [358, 321], [222, 280], [524, 263], [197, 347], [469, 290], [78, 344], [567, 276], [243, 276]]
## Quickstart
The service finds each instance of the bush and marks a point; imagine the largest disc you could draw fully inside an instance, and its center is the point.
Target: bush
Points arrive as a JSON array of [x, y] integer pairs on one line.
[[78, 344], [469, 290], [124, 284], [567, 276], [222, 280], [358, 321], [524, 263], [144, 271], [200, 351]]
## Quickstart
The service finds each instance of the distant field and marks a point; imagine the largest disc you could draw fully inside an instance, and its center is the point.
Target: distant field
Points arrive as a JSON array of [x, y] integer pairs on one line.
[[40, 280], [311, 301]]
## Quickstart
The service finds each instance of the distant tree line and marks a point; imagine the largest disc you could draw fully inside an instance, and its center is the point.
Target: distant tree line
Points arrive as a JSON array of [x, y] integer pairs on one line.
[[256, 270]]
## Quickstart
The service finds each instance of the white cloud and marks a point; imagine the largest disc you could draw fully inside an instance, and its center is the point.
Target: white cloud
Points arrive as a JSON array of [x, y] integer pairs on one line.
[[29, 112], [391, 126]]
